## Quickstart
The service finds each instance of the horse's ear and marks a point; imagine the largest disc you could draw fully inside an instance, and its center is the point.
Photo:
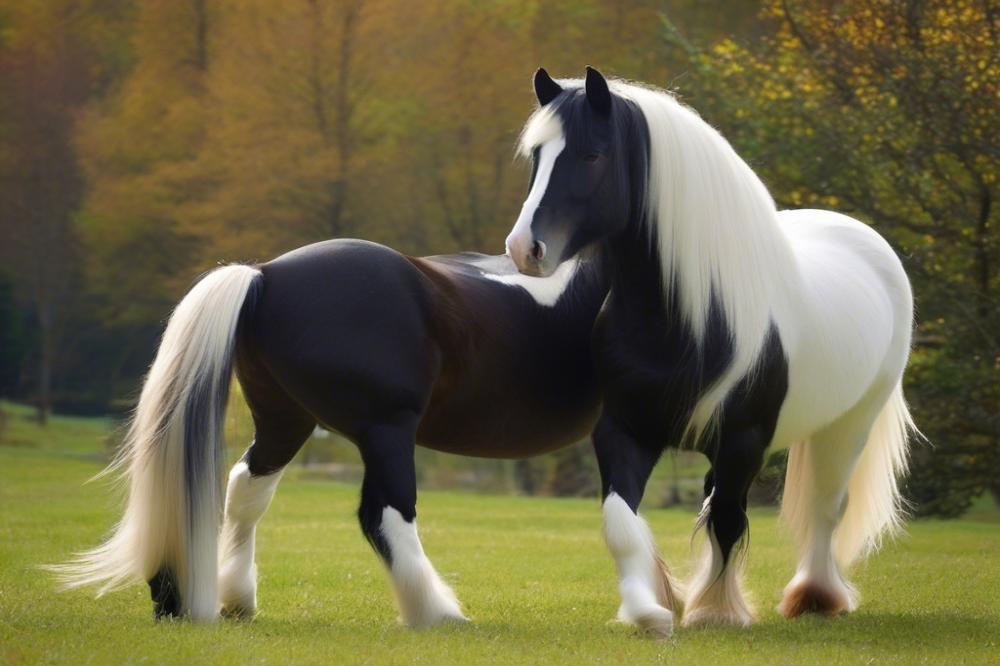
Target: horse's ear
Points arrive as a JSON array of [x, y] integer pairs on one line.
[[546, 89], [597, 92]]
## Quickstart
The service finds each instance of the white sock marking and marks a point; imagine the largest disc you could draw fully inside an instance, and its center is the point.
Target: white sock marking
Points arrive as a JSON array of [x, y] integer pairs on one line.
[[631, 544], [247, 498], [424, 599]]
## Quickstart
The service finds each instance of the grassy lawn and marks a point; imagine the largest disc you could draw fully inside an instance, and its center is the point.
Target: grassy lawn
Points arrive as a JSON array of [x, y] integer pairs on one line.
[[532, 573]]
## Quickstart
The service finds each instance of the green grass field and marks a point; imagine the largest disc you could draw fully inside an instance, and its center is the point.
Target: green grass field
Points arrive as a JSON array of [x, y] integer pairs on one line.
[[532, 573]]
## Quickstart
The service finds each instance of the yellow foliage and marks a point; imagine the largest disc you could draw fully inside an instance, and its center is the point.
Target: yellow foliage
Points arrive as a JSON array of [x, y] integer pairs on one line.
[[249, 127]]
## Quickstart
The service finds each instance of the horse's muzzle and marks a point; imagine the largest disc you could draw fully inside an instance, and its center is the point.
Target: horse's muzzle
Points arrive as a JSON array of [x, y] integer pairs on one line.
[[528, 253]]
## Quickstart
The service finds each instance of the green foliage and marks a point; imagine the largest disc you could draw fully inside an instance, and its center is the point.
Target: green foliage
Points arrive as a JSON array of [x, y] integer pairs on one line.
[[54, 56], [13, 344], [64, 437], [889, 112]]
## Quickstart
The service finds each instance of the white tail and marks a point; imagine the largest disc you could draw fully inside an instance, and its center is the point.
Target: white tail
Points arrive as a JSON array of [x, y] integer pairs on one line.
[[172, 456], [875, 506]]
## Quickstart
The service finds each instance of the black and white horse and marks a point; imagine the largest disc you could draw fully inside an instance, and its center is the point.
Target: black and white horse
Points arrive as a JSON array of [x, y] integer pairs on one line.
[[729, 325], [459, 353]]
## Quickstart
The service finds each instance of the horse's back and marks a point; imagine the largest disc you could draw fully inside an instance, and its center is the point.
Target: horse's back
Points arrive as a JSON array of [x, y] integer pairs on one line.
[[355, 331], [846, 266], [847, 326], [365, 289], [342, 326], [814, 233]]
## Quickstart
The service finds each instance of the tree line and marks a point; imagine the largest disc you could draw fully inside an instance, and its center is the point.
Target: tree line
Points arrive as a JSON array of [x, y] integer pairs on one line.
[[143, 143]]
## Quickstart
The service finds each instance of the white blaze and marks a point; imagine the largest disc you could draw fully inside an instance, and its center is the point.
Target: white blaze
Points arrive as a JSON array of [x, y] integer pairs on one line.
[[548, 153]]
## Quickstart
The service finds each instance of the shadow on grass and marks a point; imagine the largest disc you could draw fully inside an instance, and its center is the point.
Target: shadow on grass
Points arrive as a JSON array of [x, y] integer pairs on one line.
[[937, 628], [944, 629]]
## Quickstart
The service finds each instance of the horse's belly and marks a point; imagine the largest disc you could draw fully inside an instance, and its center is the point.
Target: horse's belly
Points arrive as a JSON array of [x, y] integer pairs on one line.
[[507, 422]]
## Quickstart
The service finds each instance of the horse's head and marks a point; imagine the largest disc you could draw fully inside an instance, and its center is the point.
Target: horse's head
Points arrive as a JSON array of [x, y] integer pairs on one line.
[[583, 173]]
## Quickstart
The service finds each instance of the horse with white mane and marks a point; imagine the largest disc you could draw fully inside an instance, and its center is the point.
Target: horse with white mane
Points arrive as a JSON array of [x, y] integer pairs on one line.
[[730, 326]]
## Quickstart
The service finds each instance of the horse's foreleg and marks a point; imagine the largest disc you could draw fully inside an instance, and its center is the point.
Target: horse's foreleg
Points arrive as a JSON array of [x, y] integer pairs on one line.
[[648, 596], [715, 594], [388, 520]]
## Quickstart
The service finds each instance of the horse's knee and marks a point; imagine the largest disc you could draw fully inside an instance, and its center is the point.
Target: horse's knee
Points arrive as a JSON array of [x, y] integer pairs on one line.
[[390, 479], [275, 443], [370, 518], [737, 462], [728, 522], [375, 499]]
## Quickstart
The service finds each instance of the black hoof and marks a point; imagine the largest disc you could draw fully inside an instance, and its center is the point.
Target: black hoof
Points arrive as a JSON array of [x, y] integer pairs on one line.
[[166, 598]]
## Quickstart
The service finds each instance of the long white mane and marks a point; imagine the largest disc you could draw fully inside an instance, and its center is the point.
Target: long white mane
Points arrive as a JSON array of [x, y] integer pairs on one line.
[[717, 233]]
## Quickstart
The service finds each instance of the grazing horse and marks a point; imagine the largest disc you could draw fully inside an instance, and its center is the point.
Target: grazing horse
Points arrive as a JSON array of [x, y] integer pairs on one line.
[[459, 353], [729, 326]]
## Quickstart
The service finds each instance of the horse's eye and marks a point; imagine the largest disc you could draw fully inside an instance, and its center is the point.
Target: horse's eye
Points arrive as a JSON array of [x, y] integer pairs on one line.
[[592, 157]]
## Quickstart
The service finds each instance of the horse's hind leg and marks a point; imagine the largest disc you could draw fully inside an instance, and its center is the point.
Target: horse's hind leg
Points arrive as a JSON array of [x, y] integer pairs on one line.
[[388, 520], [281, 427], [715, 594], [819, 471], [649, 599]]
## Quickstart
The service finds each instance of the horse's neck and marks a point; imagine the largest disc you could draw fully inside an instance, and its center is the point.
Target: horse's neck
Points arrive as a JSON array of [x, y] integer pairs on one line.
[[595, 273], [643, 335], [632, 268], [763, 275], [586, 290]]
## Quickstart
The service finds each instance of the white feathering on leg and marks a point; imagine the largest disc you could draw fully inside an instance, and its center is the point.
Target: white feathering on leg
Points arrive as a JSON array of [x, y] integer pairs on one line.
[[424, 599], [716, 594], [247, 498], [631, 544]]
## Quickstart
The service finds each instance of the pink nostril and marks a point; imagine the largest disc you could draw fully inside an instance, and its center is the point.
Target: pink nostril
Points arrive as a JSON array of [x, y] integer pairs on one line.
[[538, 250]]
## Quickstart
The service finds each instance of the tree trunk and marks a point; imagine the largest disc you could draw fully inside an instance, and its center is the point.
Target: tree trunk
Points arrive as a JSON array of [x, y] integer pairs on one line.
[[344, 110], [983, 268], [201, 35], [674, 499], [45, 333], [524, 473]]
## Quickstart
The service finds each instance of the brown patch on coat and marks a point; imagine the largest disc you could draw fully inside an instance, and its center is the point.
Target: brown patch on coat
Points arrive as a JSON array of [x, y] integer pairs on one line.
[[667, 593], [809, 598]]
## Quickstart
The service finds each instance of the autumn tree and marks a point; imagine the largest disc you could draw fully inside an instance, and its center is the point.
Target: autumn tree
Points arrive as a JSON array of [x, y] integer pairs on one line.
[[889, 111], [53, 57], [136, 145], [282, 151]]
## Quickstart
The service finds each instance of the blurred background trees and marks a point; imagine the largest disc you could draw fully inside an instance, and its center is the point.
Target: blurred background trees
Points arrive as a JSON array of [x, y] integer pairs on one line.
[[889, 112], [143, 143]]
